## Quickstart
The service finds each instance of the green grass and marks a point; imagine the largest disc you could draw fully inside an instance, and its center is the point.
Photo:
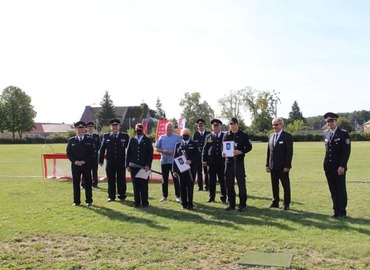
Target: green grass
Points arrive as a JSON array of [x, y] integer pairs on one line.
[[41, 230]]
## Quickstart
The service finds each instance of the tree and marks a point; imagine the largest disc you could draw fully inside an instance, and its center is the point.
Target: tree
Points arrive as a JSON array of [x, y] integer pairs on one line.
[[345, 124], [231, 104], [144, 111], [193, 109], [106, 113], [160, 113], [17, 112], [295, 113], [262, 106], [296, 126]]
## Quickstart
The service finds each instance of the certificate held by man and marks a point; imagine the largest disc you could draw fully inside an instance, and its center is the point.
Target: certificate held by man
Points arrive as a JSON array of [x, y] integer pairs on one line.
[[181, 163], [228, 148]]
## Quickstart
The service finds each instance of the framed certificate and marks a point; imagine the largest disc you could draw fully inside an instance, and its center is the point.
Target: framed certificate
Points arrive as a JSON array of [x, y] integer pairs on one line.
[[181, 163], [228, 148]]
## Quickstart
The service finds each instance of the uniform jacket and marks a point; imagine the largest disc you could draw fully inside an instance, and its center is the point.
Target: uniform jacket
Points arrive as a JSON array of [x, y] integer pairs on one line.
[[338, 148], [140, 153], [279, 156], [212, 149], [114, 148], [199, 139], [242, 143], [80, 151], [96, 139], [191, 152]]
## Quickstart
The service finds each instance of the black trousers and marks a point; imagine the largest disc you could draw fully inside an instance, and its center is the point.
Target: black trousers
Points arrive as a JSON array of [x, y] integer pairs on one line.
[[166, 169], [337, 187], [77, 172], [140, 189], [217, 171], [277, 175], [238, 172], [200, 170], [94, 171], [116, 181], [187, 189]]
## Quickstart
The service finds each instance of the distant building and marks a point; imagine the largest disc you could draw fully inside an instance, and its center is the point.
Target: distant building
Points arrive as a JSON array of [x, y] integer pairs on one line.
[[128, 115], [367, 127], [42, 130]]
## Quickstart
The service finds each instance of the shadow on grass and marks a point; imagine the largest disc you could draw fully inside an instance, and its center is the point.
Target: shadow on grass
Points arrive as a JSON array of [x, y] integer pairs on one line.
[[117, 215]]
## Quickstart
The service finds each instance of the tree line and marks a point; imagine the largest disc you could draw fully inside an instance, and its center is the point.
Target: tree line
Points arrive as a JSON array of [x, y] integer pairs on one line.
[[17, 114]]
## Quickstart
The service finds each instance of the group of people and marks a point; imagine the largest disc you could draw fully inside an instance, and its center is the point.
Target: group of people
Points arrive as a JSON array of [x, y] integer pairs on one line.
[[216, 155]]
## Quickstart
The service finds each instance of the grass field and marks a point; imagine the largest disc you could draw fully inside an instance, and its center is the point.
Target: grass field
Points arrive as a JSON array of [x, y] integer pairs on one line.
[[41, 230]]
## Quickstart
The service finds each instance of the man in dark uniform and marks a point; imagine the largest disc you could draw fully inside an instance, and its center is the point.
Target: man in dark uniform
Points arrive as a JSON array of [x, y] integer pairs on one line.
[[80, 151], [199, 137], [338, 149], [96, 139], [114, 146], [190, 150], [235, 165], [212, 158], [279, 161], [140, 153]]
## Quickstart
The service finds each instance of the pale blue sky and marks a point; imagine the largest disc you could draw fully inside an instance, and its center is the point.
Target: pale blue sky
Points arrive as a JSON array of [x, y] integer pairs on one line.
[[65, 54]]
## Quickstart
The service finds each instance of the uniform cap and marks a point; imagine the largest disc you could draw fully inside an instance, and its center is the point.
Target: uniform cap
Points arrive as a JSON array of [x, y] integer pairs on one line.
[[90, 124], [330, 116], [216, 121], [233, 121], [200, 121], [80, 124], [114, 122]]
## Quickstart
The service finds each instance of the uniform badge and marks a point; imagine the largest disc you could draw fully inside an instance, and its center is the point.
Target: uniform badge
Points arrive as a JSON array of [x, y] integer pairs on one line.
[[348, 141]]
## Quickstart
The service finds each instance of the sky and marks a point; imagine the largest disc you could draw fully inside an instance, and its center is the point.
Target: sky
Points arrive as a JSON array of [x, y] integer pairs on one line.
[[66, 54]]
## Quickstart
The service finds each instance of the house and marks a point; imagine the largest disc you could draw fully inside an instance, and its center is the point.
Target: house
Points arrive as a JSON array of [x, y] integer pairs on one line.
[[128, 115], [42, 130], [367, 127]]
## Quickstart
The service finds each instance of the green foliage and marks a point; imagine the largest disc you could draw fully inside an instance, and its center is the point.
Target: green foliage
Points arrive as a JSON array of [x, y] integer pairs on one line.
[[343, 123], [106, 113], [296, 126], [295, 113], [16, 111], [193, 109], [231, 104], [159, 113]]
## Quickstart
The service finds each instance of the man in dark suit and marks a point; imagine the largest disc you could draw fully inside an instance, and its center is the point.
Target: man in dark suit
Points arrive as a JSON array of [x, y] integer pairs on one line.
[[212, 158], [338, 149], [96, 139], [139, 154], [114, 146], [80, 151], [199, 137], [279, 162], [235, 167]]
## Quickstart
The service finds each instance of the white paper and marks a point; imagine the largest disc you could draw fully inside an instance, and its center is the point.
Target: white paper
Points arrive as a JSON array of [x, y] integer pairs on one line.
[[181, 163], [143, 174], [228, 148]]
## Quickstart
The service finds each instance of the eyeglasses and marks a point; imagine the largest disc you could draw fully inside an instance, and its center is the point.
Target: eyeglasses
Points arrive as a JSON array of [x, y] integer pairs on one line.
[[275, 125]]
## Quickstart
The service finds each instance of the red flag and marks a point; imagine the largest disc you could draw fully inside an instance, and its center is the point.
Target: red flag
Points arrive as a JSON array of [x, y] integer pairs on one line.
[[161, 128], [181, 125]]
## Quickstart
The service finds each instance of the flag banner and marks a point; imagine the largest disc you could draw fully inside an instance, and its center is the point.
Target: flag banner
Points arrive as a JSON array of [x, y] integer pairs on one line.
[[181, 125], [145, 123], [161, 128]]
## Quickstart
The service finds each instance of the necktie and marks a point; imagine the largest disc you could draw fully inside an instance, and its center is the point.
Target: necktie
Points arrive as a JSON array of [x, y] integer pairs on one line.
[[275, 138], [331, 135], [80, 139]]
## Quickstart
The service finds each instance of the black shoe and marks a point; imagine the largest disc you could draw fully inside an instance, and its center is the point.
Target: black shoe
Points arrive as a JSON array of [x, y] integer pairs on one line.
[[110, 200], [285, 208], [206, 188], [274, 205], [241, 208], [145, 205], [200, 189], [184, 207], [211, 200], [76, 204], [334, 216], [190, 207], [229, 208]]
